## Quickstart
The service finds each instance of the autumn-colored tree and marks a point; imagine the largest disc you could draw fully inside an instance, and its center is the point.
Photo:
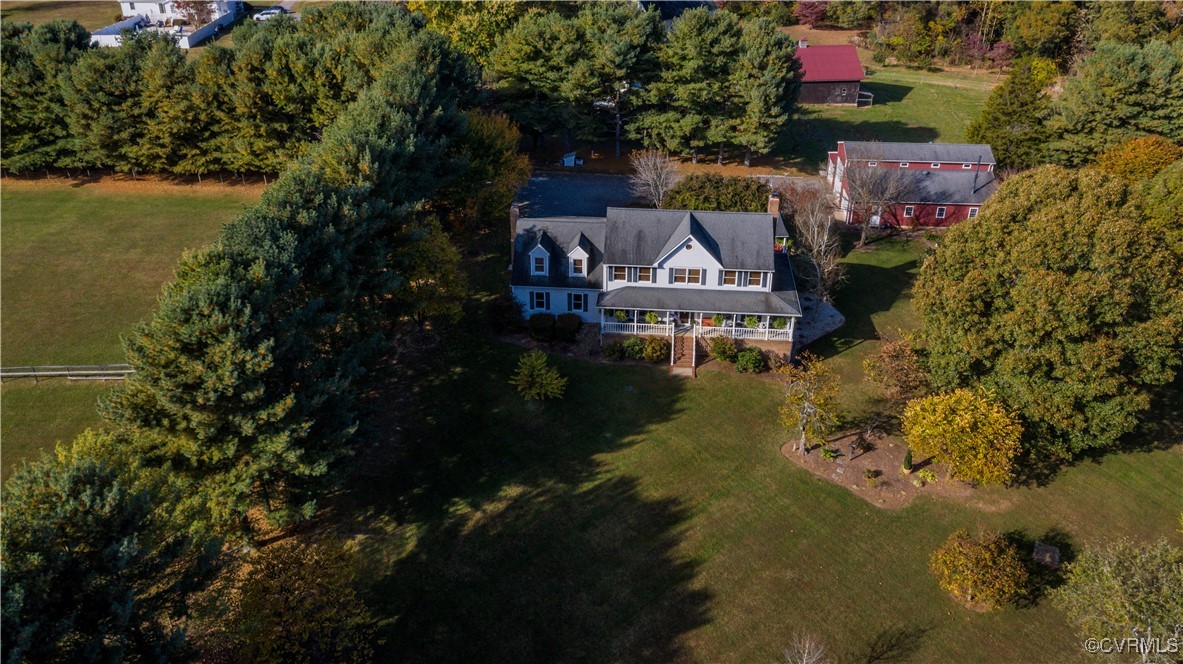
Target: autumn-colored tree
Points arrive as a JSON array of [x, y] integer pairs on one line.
[[1164, 199], [1139, 158], [1124, 589], [983, 571], [976, 437], [536, 380], [1061, 299], [811, 12], [298, 603], [811, 399], [898, 369]]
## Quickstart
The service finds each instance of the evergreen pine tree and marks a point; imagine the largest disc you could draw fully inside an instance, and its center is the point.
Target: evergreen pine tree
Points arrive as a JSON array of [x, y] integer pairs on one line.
[[766, 81], [1013, 119]]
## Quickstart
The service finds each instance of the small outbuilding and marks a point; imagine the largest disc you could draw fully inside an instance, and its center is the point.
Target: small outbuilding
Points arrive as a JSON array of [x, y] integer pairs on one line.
[[830, 74]]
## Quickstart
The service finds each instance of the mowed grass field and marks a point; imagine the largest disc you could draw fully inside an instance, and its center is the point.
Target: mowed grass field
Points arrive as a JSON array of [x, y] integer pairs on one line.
[[79, 266], [645, 517], [91, 14]]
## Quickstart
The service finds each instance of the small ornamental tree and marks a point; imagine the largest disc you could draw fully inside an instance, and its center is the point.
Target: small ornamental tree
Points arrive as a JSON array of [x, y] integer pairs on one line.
[[977, 438], [1125, 589], [1139, 158], [536, 380], [984, 572], [897, 367], [811, 404]]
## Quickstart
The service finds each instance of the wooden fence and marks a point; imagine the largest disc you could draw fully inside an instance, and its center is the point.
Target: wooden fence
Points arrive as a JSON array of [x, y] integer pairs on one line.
[[69, 372]]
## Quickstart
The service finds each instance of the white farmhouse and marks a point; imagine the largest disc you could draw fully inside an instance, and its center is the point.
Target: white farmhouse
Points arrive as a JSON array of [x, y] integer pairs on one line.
[[677, 273], [167, 17]]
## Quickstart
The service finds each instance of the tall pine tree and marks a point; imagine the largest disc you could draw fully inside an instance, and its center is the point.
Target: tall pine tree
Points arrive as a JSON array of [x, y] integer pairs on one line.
[[1013, 121]]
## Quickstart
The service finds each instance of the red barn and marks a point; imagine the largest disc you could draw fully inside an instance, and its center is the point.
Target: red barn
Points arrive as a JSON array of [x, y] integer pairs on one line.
[[829, 74], [947, 182]]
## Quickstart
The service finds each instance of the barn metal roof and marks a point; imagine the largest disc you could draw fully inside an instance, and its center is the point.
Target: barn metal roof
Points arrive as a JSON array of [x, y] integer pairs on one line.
[[919, 153], [830, 63]]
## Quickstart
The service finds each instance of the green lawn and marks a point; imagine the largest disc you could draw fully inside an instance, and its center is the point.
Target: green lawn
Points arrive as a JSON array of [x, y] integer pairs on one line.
[[910, 105], [91, 14], [645, 517], [79, 266]]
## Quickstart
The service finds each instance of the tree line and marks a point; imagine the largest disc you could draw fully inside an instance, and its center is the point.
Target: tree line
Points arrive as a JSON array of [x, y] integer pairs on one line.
[[993, 34], [144, 107], [710, 81], [244, 404]]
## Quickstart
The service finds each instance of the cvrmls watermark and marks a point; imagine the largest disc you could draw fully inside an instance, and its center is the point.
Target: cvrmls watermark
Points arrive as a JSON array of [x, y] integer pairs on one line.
[[1140, 645]]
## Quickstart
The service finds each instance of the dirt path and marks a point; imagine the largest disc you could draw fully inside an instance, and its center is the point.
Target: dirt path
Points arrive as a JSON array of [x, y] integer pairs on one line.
[[121, 183]]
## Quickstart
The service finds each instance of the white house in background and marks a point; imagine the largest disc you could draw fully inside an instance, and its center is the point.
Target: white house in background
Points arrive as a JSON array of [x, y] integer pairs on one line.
[[168, 18], [165, 11], [677, 273]]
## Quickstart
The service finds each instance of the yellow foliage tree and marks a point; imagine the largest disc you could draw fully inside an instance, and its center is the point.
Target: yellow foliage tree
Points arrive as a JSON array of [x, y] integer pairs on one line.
[[1139, 158], [811, 399], [983, 571], [977, 438]]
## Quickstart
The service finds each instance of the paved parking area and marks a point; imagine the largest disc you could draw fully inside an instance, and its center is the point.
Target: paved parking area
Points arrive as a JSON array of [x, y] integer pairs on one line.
[[551, 194]]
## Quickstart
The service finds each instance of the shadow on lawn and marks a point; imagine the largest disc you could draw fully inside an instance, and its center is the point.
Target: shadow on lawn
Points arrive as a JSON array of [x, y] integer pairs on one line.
[[894, 644], [496, 533], [809, 138], [870, 289]]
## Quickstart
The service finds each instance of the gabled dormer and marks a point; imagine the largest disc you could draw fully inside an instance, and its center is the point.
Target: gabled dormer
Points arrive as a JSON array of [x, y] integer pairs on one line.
[[539, 259], [579, 258], [690, 245]]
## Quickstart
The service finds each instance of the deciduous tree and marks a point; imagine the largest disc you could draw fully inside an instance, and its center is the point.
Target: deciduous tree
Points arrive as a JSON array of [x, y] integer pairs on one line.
[[898, 368], [654, 175], [1124, 590], [718, 192], [983, 571], [817, 233], [1139, 158], [1069, 328], [974, 436], [811, 406], [873, 191]]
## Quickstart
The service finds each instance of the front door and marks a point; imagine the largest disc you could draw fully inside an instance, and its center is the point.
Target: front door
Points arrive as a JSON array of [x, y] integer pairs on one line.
[[684, 317]]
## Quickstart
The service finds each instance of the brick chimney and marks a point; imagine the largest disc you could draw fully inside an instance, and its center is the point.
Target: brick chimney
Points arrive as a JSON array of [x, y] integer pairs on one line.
[[774, 204], [514, 212]]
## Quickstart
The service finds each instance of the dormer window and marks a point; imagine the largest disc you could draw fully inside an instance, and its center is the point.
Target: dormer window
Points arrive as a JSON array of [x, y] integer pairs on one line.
[[755, 278], [539, 265], [578, 267]]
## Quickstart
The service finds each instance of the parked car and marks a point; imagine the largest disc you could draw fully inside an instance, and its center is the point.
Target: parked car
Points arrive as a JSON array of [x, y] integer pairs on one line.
[[270, 13]]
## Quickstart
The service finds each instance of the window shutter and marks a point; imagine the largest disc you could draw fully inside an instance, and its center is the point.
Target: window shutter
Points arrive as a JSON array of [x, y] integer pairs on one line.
[[570, 307], [546, 296]]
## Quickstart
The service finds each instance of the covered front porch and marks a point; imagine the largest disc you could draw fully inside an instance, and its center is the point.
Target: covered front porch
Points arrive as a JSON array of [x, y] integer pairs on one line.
[[759, 326]]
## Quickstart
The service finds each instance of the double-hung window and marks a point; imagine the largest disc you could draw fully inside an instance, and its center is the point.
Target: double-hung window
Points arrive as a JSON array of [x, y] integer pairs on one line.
[[539, 300], [941, 212], [684, 275], [576, 301], [539, 265], [619, 273], [577, 267], [755, 278], [645, 274], [909, 210], [730, 278]]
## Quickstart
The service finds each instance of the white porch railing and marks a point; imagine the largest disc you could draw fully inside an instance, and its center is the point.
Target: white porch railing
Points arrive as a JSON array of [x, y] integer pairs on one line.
[[616, 327], [768, 334]]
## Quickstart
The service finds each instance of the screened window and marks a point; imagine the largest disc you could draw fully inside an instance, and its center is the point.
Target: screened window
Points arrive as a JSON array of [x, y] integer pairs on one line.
[[755, 278], [941, 212], [909, 210], [730, 278]]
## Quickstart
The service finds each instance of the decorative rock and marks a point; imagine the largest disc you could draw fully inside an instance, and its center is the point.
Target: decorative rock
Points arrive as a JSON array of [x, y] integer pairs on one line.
[[1047, 555]]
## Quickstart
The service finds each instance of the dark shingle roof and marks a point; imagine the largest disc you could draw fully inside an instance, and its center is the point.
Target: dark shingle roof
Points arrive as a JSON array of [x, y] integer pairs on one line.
[[920, 153], [830, 63], [738, 240], [782, 301], [559, 235], [953, 187]]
